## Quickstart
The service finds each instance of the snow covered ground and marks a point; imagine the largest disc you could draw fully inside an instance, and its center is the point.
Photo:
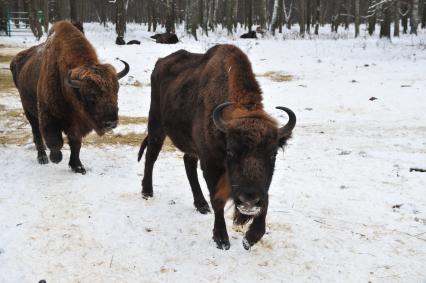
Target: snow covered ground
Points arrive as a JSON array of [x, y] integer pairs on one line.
[[344, 206]]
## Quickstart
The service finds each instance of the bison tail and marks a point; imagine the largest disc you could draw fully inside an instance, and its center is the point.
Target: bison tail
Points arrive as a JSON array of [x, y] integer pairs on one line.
[[142, 148]]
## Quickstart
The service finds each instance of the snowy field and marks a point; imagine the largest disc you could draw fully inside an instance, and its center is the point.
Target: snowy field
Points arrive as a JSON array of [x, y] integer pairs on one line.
[[344, 206]]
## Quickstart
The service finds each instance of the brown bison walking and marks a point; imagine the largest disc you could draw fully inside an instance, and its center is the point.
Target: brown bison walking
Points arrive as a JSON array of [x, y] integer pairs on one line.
[[64, 88], [210, 105]]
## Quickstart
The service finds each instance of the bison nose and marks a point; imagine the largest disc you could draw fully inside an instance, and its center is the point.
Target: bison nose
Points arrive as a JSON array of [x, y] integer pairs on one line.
[[110, 124], [249, 199]]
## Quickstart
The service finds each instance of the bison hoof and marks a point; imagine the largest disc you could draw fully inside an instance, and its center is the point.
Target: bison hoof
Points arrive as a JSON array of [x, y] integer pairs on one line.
[[246, 244], [222, 242], [55, 156], [203, 209], [42, 158], [147, 195], [78, 169]]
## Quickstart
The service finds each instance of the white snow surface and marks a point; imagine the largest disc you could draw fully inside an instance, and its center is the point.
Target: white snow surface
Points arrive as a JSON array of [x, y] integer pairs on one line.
[[343, 205]]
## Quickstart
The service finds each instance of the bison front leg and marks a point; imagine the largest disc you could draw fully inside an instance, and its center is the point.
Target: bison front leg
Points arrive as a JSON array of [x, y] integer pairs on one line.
[[75, 163], [52, 134], [219, 194], [256, 229], [220, 235]]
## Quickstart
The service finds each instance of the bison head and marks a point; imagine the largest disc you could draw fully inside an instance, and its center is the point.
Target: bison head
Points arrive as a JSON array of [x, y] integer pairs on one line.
[[95, 89], [252, 142]]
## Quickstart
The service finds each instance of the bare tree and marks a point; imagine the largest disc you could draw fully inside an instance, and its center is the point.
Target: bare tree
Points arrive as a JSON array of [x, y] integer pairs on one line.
[[33, 19], [414, 17], [396, 17], [302, 16], [317, 15], [120, 18], [357, 18]]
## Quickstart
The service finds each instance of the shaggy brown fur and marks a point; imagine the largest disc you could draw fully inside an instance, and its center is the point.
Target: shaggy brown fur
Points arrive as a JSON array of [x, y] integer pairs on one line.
[[64, 88], [237, 159]]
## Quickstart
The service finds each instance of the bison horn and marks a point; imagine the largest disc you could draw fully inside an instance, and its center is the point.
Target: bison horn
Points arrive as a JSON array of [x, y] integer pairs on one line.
[[72, 83], [124, 71], [217, 116], [285, 131]]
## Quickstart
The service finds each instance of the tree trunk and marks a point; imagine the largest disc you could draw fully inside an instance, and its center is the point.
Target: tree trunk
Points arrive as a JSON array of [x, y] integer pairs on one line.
[[308, 16], [302, 16], [424, 14], [73, 10], [396, 8], [33, 19], [170, 21], [317, 16], [404, 17], [348, 12], [274, 19], [120, 18], [386, 22], [356, 18], [46, 15], [228, 13], [414, 17], [261, 12], [372, 14], [250, 15]]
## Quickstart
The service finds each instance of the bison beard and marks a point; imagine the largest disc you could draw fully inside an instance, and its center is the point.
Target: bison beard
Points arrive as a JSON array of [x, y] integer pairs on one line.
[[210, 105], [64, 88]]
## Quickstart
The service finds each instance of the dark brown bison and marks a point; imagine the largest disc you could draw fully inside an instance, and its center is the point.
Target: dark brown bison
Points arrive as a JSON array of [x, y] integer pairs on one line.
[[64, 88], [165, 38], [210, 105]]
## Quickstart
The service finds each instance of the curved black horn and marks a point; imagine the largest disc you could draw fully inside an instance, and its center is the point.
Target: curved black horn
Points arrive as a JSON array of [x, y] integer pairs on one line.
[[72, 83], [285, 131], [217, 116], [123, 72]]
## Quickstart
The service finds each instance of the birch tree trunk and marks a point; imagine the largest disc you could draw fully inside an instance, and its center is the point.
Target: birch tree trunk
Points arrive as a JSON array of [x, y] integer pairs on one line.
[[274, 16]]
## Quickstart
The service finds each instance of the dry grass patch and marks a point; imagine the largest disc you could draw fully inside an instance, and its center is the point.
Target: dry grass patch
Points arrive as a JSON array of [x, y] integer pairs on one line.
[[277, 76], [6, 58], [132, 139], [126, 120], [6, 80]]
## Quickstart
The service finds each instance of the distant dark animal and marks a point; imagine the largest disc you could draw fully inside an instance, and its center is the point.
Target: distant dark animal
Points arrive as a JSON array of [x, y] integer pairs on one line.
[[134, 41], [64, 88], [210, 106], [120, 41], [250, 34], [165, 38]]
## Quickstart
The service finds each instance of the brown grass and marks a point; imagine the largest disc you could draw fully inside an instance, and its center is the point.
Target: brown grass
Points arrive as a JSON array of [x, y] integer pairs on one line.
[[126, 120], [6, 80], [277, 76], [6, 58]]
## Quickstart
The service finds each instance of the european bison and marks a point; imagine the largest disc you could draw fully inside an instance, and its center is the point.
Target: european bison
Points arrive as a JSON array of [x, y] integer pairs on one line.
[[64, 88], [165, 38], [210, 105], [250, 34]]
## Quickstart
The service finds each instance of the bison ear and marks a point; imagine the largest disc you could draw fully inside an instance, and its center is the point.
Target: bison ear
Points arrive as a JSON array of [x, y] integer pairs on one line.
[[72, 83]]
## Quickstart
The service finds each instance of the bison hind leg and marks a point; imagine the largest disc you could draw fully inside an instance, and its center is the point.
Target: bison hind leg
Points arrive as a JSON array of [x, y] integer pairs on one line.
[[200, 202], [154, 144], [38, 140]]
